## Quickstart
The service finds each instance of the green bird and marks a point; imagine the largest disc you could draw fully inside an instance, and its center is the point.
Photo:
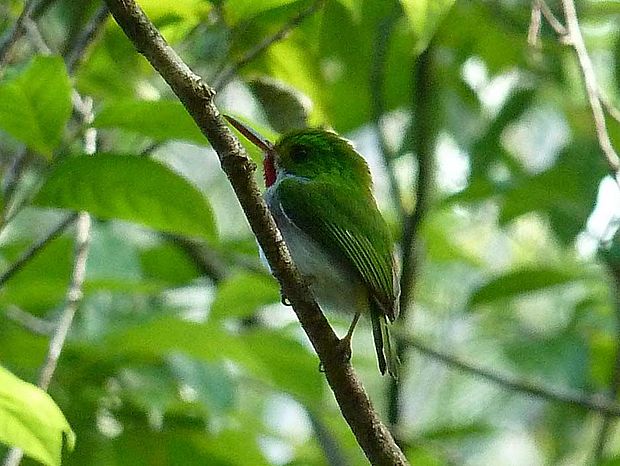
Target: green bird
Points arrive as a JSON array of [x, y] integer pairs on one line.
[[319, 191]]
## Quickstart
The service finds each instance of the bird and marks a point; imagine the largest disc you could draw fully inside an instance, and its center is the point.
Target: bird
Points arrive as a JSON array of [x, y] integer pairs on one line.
[[319, 192]]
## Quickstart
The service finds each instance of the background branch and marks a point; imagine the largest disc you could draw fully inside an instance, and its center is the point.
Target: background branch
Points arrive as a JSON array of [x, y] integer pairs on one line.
[[227, 74], [86, 36], [12, 35], [592, 88], [614, 385], [591, 403], [422, 137], [36, 248], [197, 97]]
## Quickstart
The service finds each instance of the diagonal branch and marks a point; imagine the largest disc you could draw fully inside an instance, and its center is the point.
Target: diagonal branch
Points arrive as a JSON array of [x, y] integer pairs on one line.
[[197, 97], [600, 404], [11, 37], [85, 38], [614, 389], [423, 138], [223, 78], [592, 89], [36, 248]]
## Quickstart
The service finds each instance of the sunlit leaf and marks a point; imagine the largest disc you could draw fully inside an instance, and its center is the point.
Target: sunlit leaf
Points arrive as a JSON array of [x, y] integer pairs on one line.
[[30, 420], [244, 9], [424, 16], [35, 105]]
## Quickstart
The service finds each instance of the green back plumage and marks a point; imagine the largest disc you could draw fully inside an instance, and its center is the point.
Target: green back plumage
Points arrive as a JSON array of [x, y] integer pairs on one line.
[[329, 197]]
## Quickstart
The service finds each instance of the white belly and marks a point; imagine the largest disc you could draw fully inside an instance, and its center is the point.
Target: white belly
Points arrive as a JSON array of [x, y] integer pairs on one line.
[[334, 287]]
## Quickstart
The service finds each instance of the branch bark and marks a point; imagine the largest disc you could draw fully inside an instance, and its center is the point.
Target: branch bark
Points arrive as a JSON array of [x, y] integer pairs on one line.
[[197, 97]]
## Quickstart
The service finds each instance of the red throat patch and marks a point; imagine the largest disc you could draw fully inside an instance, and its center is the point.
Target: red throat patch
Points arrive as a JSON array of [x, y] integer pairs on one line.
[[269, 170]]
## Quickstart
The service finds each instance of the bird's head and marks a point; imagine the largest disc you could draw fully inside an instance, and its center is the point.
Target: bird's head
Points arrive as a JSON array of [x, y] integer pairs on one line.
[[308, 153]]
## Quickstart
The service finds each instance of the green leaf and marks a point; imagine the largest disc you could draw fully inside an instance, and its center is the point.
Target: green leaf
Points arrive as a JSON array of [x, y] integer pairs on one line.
[[30, 420], [214, 387], [129, 188], [167, 263], [35, 105], [244, 9], [269, 356], [519, 282], [42, 283], [112, 260], [161, 120], [240, 295], [424, 17], [285, 107]]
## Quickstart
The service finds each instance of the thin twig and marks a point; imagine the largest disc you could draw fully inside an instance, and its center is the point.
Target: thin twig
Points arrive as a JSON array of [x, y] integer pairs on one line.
[[610, 108], [197, 97], [36, 248], [228, 73], [85, 38], [10, 183], [533, 32], [332, 452], [32, 323], [553, 21], [600, 404], [207, 262], [422, 135], [73, 300], [614, 388], [592, 88], [35, 36], [12, 36]]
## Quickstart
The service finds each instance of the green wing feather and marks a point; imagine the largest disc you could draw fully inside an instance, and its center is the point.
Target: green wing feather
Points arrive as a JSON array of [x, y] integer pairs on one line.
[[347, 222]]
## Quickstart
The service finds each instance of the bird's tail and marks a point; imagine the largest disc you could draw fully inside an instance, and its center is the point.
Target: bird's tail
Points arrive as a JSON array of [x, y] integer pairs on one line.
[[386, 353]]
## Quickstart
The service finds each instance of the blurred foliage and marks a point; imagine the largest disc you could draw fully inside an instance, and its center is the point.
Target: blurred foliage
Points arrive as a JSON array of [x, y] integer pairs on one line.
[[181, 352]]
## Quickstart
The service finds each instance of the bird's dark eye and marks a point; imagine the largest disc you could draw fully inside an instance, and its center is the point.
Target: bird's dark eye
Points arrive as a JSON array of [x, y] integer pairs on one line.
[[299, 153]]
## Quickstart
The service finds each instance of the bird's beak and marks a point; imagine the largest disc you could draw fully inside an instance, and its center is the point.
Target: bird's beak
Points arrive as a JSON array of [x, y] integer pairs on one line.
[[252, 136]]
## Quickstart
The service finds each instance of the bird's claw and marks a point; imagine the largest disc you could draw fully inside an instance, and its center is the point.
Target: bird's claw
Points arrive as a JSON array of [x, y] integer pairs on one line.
[[284, 300]]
